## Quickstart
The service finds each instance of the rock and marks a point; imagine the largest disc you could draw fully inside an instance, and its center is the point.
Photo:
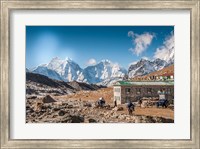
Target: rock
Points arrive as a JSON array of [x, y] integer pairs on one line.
[[48, 99], [61, 113], [118, 109], [43, 110], [70, 106], [54, 116], [87, 104], [77, 119], [144, 104], [30, 110], [138, 119], [67, 119], [37, 106], [101, 114], [31, 97], [163, 120], [91, 120], [56, 109], [33, 115], [79, 110]]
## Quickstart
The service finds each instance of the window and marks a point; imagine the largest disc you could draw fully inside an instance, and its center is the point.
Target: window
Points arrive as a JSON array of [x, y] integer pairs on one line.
[[117, 89], [168, 91], [138, 90], [117, 98], [127, 90], [149, 90], [128, 99]]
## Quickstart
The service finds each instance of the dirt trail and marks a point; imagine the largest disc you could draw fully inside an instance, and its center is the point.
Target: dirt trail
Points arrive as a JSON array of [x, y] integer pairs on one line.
[[107, 93], [153, 111]]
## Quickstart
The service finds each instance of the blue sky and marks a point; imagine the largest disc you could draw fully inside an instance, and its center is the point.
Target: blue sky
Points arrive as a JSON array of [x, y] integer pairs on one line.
[[87, 45]]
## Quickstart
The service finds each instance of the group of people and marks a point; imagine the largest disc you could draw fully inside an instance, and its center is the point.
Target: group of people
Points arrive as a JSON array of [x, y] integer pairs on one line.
[[130, 106]]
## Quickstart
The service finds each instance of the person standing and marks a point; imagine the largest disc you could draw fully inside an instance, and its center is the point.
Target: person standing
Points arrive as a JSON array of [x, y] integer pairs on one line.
[[130, 107]]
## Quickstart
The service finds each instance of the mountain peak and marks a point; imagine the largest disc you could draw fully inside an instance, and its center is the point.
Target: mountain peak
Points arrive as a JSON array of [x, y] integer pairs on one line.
[[42, 65], [143, 59], [106, 61], [55, 58], [68, 59]]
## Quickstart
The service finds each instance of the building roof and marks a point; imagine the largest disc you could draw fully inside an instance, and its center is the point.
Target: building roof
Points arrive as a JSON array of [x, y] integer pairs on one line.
[[132, 83]]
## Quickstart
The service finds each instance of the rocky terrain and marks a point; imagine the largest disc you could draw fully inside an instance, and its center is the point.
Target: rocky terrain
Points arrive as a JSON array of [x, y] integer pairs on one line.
[[169, 70], [53, 101], [40, 85], [50, 110], [145, 66]]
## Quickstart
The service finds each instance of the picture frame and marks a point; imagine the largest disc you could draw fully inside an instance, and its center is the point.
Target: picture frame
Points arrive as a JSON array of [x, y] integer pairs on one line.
[[8, 6]]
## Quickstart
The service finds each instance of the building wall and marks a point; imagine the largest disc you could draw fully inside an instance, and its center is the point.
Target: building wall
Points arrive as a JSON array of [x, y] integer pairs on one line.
[[133, 93], [117, 94]]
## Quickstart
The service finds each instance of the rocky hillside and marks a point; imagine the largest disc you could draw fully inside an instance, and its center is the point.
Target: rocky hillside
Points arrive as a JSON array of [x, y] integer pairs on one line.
[[37, 84], [169, 70], [49, 110], [145, 66]]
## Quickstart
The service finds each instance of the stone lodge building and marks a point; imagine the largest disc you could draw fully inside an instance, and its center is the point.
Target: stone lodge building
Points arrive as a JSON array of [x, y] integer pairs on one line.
[[125, 91]]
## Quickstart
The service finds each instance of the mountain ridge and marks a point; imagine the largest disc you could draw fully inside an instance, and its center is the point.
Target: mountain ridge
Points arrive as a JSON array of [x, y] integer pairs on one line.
[[103, 73], [68, 70], [38, 84]]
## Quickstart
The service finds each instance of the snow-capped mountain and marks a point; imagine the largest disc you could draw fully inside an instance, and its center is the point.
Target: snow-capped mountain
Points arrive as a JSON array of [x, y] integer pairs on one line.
[[145, 66], [102, 71], [43, 70], [68, 70]]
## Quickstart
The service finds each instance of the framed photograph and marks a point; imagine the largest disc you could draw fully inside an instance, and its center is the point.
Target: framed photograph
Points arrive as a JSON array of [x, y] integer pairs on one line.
[[100, 74]]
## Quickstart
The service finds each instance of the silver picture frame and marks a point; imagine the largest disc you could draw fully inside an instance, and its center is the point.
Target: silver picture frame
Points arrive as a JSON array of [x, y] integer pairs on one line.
[[7, 6]]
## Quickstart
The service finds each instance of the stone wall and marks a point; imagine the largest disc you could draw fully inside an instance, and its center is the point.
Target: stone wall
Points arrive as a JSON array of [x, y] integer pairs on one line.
[[136, 92]]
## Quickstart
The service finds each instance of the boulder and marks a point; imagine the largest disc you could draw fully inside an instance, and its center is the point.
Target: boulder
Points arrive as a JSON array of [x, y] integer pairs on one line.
[[87, 104], [144, 104], [48, 99], [91, 120], [77, 119], [61, 113]]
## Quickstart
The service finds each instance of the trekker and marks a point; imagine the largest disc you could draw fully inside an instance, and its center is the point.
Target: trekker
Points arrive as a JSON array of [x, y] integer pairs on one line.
[[115, 103], [101, 102], [130, 107], [140, 102]]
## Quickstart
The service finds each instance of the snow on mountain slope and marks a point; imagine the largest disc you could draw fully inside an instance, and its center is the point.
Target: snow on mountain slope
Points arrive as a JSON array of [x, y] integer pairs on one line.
[[145, 66], [68, 71], [43, 70], [102, 71]]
